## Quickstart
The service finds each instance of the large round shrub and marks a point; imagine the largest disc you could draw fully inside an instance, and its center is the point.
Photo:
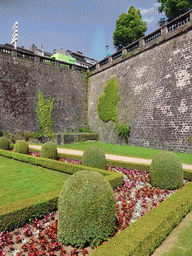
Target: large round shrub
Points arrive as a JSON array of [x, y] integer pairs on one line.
[[4, 143], [49, 150], [94, 157], [86, 210], [166, 171], [21, 147]]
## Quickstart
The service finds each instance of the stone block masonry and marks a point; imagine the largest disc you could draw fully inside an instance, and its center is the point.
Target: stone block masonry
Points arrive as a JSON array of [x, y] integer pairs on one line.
[[20, 82], [154, 86], [155, 90]]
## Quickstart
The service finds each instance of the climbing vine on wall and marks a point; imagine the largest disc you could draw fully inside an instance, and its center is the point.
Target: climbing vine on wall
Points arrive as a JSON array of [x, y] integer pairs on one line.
[[108, 101], [44, 115]]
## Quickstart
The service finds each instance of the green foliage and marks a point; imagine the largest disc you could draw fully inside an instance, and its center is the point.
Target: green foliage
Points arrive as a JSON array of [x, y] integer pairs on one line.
[[173, 9], [124, 56], [26, 136], [86, 75], [85, 129], [44, 115], [49, 150], [108, 101], [21, 147], [94, 156], [4, 143], [1, 133], [38, 135], [174, 42], [86, 207], [166, 171], [123, 130], [190, 138], [129, 28]]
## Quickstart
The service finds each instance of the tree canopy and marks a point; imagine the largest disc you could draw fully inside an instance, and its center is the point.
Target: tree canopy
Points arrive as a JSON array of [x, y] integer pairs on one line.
[[129, 28], [173, 9]]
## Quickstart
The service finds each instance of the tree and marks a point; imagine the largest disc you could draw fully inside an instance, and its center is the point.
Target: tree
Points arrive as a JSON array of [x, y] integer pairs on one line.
[[173, 9], [129, 28]]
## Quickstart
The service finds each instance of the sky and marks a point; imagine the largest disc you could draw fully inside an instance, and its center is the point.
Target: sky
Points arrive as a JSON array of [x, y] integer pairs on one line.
[[85, 25]]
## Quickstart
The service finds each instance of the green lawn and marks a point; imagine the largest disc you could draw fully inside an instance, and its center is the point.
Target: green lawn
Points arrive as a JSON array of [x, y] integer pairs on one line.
[[182, 246], [19, 181], [124, 150]]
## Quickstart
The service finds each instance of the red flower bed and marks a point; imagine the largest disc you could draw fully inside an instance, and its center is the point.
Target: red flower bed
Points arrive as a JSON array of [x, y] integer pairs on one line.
[[135, 198]]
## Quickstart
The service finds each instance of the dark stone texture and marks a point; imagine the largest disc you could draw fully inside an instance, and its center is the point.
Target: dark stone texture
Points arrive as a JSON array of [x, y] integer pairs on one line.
[[155, 96], [154, 88], [20, 82]]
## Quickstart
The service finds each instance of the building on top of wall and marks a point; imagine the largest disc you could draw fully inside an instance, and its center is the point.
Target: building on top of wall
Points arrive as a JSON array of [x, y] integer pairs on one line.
[[39, 52], [81, 60]]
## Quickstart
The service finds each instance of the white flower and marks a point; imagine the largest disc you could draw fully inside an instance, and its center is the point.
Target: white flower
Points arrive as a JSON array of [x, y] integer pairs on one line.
[[14, 253], [47, 224], [36, 233], [24, 241]]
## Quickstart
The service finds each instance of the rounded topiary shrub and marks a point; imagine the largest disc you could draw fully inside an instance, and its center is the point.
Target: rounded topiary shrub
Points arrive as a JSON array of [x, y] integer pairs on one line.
[[4, 143], [166, 171], [49, 150], [94, 157], [86, 210], [21, 147]]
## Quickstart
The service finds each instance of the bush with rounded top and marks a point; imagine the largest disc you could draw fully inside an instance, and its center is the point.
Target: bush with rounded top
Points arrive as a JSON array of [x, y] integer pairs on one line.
[[4, 143], [21, 147], [166, 171], [94, 156], [86, 210], [49, 150]]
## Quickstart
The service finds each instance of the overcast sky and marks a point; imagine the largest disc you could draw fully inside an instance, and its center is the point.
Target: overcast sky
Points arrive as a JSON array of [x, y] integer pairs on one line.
[[85, 26]]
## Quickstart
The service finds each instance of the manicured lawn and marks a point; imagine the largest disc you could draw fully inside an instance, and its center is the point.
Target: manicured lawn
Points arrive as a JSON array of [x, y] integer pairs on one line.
[[124, 150], [19, 181], [179, 241], [182, 246]]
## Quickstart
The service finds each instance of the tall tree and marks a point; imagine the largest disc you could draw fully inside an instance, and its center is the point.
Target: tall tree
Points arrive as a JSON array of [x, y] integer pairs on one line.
[[173, 9], [129, 28]]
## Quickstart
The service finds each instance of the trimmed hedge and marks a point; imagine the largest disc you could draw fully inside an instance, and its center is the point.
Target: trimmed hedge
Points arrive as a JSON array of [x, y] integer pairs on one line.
[[147, 233], [187, 173], [21, 147], [18, 212], [153, 227], [4, 143], [115, 179]]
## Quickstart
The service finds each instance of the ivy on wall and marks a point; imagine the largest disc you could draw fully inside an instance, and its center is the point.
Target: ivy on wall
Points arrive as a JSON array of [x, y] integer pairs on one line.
[[108, 101], [44, 115]]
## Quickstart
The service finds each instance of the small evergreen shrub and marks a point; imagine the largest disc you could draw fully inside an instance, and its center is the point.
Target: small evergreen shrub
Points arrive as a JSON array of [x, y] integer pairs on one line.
[[86, 129], [37, 135], [21, 147], [166, 171], [49, 150], [123, 130], [13, 138], [86, 210], [26, 136], [4, 143], [94, 157]]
